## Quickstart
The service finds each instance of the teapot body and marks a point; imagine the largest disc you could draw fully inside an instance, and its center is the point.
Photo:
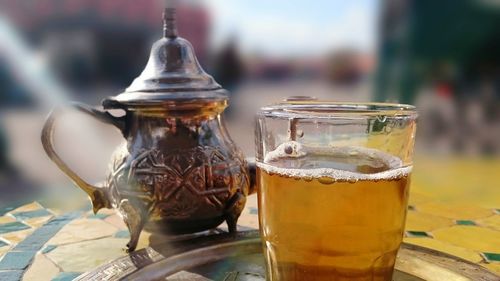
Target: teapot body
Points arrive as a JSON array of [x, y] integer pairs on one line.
[[176, 172], [181, 175]]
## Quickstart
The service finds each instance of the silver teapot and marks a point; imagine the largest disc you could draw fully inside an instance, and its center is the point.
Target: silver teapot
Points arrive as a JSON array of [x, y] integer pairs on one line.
[[178, 170]]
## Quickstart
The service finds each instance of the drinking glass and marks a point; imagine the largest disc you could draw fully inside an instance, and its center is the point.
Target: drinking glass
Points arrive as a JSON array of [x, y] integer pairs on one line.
[[333, 182]]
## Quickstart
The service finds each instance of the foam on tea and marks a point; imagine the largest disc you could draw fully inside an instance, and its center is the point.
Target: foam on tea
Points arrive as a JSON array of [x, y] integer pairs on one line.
[[339, 163]]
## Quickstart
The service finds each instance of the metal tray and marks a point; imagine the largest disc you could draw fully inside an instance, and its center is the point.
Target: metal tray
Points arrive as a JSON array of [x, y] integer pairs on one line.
[[222, 257]]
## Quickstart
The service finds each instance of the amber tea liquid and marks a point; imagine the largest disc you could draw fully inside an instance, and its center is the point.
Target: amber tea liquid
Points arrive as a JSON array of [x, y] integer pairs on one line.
[[332, 214]]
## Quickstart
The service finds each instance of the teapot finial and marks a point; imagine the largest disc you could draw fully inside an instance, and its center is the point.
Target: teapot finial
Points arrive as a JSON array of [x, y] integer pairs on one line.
[[169, 19]]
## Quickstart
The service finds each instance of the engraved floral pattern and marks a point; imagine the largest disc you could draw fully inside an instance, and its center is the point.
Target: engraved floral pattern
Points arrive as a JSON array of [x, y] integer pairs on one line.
[[178, 184]]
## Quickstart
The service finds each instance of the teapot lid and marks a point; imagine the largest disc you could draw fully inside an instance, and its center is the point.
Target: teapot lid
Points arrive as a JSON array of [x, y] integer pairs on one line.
[[172, 73]]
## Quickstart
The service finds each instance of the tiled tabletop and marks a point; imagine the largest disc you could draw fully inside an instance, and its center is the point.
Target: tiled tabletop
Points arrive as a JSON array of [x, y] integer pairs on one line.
[[37, 243]]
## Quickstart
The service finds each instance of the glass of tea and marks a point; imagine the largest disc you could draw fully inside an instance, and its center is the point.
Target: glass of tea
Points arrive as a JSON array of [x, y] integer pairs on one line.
[[333, 182]]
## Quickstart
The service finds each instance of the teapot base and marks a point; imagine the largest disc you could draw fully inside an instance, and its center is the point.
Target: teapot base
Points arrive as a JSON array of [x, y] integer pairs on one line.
[[178, 227]]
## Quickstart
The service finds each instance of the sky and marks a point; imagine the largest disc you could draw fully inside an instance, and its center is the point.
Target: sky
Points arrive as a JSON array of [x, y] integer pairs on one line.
[[295, 27]]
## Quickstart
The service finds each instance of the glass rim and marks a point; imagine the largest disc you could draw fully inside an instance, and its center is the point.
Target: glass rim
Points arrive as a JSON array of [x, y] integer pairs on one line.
[[331, 109]]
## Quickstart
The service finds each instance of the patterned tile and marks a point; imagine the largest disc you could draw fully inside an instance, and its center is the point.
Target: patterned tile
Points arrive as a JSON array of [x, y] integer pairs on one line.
[[6, 219], [12, 226], [493, 267], [253, 211], [122, 234], [3, 244], [418, 198], [248, 221], [78, 246], [56, 211], [416, 221], [38, 222], [31, 214], [97, 216], [28, 207], [4, 250], [11, 275], [492, 257], [470, 237], [66, 276], [417, 234], [246, 228], [48, 249], [116, 221], [445, 247], [453, 181], [16, 260], [492, 222], [18, 236], [5, 210], [454, 211], [252, 201], [81, 230], [84, 256], [35, 241], [465, 222], [41, 269]]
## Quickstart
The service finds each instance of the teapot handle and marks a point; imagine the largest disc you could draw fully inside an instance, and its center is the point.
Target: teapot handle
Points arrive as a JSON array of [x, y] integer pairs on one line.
[[96, 194]]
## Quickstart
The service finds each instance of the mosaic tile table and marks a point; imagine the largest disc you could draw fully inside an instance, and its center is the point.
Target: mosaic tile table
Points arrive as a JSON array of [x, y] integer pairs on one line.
[[37, 243]]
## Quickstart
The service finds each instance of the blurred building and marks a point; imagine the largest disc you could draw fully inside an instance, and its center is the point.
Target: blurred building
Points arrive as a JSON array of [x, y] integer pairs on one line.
[[348, 66], [103, 44], [427, 42], [447, 51]]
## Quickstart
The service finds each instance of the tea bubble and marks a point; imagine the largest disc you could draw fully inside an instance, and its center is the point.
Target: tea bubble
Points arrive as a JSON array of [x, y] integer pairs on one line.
[[326, 180]]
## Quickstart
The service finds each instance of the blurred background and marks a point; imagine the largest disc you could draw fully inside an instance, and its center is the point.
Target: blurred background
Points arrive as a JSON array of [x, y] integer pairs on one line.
[[442, 56]]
